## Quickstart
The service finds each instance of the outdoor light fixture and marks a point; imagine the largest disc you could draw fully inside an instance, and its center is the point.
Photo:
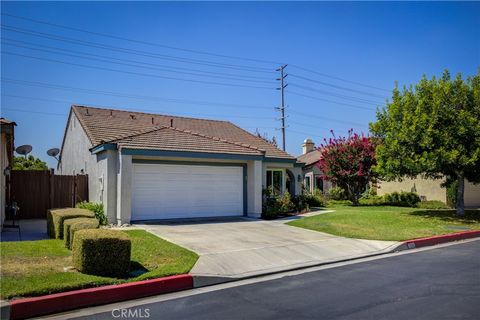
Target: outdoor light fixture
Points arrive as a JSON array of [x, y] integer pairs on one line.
[[299, 178], [7, 171]]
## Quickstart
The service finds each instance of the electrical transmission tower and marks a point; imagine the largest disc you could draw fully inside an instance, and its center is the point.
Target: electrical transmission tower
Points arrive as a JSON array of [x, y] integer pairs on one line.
[[282, 87]]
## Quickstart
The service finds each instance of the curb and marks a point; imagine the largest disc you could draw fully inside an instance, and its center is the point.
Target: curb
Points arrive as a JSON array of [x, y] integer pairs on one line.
[[430, 241], [59, 302]]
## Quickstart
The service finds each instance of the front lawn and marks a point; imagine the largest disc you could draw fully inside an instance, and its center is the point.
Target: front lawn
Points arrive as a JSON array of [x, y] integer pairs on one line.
[[31, 268], [389, 223]]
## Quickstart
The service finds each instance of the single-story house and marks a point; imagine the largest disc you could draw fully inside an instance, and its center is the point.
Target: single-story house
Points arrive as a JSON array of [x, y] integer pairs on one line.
[[144, 166], [312, 174], [7, 129]]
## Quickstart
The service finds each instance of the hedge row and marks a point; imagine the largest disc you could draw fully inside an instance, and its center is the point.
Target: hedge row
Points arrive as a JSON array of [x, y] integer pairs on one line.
[[71, 226], [102, 252], [57, 217]]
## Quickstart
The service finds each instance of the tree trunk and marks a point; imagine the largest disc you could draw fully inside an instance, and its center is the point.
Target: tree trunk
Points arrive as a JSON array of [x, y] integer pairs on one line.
[[460, 194]]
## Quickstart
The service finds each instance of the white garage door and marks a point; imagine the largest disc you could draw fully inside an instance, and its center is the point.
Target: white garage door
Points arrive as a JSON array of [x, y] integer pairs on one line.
[[171, 191]]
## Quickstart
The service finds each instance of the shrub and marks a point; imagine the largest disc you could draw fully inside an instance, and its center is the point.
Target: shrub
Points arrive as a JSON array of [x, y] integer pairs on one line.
[[102, 252], [372, 201], [432, 204], [79, 223], [96, 208], [274, 206], [401, 199], [370, 193], [333, 203], [56, 217], [337, 193]]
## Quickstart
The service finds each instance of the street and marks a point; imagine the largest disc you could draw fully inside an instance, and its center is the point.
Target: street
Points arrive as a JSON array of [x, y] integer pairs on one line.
[[442, 283]]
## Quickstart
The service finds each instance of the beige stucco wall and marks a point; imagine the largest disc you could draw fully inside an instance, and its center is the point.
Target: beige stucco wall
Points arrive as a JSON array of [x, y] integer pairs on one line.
[[472, 194], [429, 188]]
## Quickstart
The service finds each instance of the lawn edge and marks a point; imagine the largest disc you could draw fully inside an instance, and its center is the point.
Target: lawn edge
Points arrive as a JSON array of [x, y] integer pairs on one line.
[[439, 239], [58, 302]]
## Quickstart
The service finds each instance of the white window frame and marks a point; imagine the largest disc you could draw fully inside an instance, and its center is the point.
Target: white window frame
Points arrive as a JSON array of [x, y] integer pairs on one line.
[[282, 191]]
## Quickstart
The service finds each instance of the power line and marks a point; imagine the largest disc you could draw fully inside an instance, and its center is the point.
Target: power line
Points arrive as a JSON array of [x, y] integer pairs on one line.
[[338, 78], [36, 46], [133, 51], [308, 115], [134, 64], [140, 110], [351, 98], [336, 86], [134, 73], [136, 40], [330, 101], [125, 95]]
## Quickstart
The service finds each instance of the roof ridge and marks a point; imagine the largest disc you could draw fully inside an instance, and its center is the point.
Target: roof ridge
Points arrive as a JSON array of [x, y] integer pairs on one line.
[[148, 113], [218, 139]]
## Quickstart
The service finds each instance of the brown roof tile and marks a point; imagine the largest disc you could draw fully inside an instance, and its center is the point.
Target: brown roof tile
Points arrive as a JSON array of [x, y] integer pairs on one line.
[[310, 157], [162, 132]]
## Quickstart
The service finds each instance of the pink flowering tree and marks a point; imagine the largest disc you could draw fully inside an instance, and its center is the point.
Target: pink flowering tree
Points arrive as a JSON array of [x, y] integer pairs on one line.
[[348, 163]]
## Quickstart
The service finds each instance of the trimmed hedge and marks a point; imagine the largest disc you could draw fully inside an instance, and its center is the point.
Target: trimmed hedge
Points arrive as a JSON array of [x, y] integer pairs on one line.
[[102, 252], [80, 224], [56, 217]]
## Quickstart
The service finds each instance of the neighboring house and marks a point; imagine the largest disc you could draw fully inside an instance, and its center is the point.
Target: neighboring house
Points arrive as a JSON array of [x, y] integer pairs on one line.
[[6, 162], [430, 189], [148, 166], [312, 175]]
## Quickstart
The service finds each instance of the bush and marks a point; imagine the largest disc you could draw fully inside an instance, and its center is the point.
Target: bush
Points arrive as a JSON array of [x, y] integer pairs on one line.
[[102, 252], [79, 223], [370, 193], [401, 199], [96, 208], [432, 204], [372, 201], [337, 193], [56, 217], [275, 206], [333, 203]]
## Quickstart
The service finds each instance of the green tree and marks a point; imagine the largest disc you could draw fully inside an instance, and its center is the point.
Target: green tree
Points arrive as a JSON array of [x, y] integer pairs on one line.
[[30, 163], [433, 130]]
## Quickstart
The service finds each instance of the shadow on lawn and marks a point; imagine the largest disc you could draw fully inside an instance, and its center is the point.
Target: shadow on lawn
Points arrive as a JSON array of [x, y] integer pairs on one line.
[[471, 216]]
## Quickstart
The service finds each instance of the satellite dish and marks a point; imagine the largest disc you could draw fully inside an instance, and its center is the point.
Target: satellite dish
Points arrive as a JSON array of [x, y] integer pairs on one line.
[[24, 150], [53, 152]]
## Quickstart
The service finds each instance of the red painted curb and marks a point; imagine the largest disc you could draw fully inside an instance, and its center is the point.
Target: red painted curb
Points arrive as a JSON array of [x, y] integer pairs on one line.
[[58, 302], [430, 241]]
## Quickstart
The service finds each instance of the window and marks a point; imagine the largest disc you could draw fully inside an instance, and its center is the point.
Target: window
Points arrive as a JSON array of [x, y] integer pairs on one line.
[[319, 183], [275, 181], [308, 183]]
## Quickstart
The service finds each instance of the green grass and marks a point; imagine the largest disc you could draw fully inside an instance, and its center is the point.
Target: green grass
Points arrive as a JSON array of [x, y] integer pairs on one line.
[[31, 268], [389, 223]]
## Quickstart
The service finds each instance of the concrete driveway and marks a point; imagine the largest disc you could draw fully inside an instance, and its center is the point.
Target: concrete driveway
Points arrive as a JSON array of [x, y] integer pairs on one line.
[[237, 248]]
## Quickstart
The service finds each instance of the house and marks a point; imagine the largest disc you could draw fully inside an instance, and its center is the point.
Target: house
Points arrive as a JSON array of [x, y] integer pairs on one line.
[[312, 175], [6, 161], [145, 166]]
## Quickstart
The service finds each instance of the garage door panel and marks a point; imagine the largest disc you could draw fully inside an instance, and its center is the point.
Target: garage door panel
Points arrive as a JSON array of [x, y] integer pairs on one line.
[[166, 191]]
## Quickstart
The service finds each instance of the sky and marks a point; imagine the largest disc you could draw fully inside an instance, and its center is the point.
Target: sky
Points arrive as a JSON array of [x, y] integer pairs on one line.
[[218, 60]]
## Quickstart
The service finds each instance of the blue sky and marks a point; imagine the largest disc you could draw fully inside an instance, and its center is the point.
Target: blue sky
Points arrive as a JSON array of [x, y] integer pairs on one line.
[[356, 52]]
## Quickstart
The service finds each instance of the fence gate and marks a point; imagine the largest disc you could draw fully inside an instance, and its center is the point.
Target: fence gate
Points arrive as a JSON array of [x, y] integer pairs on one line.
[[37, 191]]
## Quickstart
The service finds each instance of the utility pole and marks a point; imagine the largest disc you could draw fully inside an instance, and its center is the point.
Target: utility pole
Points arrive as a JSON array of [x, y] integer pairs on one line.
[[283, 85]]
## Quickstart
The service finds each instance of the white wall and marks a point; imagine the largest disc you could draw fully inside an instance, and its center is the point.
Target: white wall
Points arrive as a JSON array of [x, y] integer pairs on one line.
[[76, 157], [472, 194]]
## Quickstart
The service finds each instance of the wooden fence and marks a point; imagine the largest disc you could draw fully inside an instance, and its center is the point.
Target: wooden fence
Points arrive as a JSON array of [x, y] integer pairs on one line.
[[37, 191]]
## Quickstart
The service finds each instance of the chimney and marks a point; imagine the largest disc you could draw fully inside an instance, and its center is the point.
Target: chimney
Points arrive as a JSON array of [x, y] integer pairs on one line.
[[307, 146]]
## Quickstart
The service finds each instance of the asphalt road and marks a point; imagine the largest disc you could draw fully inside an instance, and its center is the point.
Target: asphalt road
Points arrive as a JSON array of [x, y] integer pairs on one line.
[[443, 283]]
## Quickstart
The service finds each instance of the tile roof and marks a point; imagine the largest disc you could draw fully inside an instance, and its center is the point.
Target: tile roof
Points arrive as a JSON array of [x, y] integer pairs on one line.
[[310, 157], [136, 130]]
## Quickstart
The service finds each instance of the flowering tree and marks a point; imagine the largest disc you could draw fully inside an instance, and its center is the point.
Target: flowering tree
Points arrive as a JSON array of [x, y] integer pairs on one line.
[[347, 162]]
